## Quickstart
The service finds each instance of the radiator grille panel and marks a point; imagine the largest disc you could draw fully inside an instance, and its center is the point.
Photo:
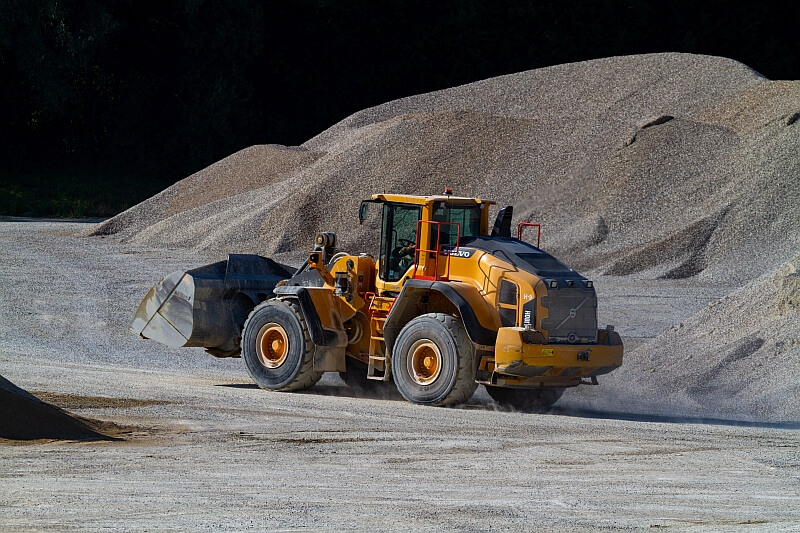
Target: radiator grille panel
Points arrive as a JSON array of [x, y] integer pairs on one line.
[[572, 315]]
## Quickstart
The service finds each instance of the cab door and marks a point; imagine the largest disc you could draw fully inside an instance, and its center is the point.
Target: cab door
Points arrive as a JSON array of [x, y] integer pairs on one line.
[[398, 238]]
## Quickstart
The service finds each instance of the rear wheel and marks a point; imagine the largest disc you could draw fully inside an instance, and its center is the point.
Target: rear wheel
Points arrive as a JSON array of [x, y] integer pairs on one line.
[[433, 361], [528, 400], [277, 349], [356, 376]]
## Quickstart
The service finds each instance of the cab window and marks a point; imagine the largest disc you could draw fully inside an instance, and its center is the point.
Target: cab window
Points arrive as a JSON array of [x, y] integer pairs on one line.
[[398, 238], [468, 217]]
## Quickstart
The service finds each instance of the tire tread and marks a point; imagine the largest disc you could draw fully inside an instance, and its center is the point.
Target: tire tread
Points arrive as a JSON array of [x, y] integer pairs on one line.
[[465, 374], [306, 377], [465, 384]]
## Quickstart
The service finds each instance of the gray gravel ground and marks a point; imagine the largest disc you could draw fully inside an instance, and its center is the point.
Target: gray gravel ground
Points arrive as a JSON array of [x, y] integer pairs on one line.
[[212, 452]]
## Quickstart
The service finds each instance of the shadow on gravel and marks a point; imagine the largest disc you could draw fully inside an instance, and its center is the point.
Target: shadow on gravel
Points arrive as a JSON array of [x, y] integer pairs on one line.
[[385, 391], [641, 417], [380, 391]]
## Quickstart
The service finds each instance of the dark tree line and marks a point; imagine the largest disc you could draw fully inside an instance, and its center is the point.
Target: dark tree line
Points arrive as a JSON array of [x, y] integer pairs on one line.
[[163, 88]]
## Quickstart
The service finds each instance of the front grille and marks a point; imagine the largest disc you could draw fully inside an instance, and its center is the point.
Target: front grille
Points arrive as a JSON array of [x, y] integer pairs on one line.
[[572, 315]]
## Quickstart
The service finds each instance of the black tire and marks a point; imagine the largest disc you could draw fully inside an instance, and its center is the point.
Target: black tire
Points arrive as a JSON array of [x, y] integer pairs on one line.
[[356, 377], [528, 400], [277, 348], [450, 379]]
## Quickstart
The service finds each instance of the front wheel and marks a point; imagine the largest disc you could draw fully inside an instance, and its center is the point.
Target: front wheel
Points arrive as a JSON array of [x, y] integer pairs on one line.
[[277, 348], [528, 400], [433, 361]]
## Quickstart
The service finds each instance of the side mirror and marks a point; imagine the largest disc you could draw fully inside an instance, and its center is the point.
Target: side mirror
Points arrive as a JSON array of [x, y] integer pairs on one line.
[[362, 211]]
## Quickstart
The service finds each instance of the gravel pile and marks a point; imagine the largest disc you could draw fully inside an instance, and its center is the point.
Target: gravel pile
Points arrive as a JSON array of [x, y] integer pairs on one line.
[[25, 417], [738, 358], [661, 166], [247, 170]]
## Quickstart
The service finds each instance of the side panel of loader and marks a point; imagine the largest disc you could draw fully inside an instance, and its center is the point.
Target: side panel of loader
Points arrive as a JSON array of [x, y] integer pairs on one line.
[[419, 297]]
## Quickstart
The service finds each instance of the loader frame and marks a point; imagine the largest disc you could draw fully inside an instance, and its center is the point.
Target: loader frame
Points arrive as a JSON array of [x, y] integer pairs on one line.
[[521, 318]]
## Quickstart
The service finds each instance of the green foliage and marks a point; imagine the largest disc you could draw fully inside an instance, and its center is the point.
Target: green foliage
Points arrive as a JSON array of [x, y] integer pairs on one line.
[[68, 196]]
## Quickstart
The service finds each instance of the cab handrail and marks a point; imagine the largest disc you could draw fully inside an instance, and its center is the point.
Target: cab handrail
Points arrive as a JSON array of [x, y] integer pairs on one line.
[[418, 251]]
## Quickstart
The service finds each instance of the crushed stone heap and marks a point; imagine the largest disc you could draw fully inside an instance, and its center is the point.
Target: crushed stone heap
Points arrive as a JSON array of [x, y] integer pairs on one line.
[[664, 165], [661, 166]]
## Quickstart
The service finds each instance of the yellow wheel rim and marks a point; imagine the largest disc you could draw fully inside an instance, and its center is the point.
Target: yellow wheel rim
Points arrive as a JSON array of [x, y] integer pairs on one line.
[[425, 363], [272, 345]]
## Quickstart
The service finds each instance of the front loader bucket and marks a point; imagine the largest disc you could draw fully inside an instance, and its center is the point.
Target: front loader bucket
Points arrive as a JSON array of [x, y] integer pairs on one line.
[[207, 306]]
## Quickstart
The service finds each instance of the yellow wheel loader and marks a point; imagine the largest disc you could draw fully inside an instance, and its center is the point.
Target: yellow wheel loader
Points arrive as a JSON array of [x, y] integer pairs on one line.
[[448, 304]]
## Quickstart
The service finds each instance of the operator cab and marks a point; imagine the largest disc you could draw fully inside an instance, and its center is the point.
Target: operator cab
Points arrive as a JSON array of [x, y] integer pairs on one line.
[[415, 229]]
